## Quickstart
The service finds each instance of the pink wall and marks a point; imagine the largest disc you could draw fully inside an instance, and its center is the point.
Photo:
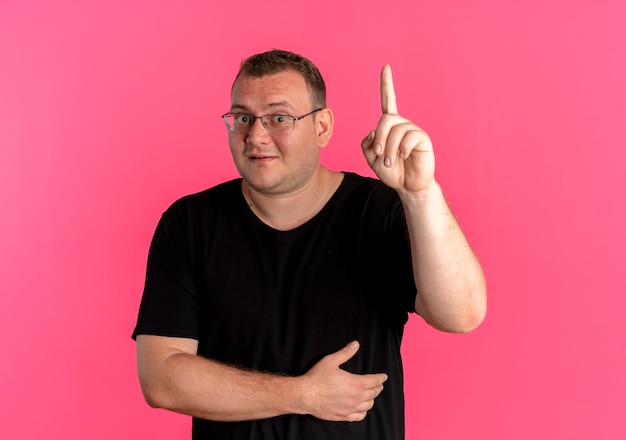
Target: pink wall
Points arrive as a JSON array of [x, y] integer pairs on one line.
[[109, 112]]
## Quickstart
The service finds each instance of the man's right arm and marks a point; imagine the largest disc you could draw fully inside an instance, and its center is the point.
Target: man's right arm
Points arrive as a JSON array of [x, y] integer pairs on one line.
[[174, 377]]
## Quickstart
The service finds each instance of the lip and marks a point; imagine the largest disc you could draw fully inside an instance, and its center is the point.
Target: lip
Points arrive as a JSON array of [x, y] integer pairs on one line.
[[260, 158]]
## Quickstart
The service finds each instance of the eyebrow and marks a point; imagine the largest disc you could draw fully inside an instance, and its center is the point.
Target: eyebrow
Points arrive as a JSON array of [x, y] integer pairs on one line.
[[271, 105]]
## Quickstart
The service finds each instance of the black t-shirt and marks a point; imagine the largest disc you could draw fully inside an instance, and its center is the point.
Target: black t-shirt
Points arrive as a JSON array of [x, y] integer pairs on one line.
[[279, 301]]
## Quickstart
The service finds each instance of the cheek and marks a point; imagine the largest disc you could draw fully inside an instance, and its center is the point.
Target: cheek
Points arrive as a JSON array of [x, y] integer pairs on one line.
[[303, 147], [236, 142], [236, 146], [302, 159]]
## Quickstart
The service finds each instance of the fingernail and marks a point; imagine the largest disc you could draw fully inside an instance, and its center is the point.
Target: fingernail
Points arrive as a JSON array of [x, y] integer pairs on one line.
[[352, 345], [378, 149], [387, 162]]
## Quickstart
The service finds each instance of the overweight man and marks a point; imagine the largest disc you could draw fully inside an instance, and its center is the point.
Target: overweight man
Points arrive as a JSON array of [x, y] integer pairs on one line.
[[275, 303]]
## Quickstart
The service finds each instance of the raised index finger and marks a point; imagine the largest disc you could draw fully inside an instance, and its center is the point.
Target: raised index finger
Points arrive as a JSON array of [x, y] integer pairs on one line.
[[387, 92]]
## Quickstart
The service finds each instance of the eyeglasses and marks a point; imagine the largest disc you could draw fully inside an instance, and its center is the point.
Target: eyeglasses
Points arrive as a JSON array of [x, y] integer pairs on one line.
[[277, 124]]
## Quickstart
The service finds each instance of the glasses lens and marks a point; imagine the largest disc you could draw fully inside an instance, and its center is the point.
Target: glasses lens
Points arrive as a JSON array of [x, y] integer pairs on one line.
[[242, 123], [278, 123], [229, 121], [238, 122]]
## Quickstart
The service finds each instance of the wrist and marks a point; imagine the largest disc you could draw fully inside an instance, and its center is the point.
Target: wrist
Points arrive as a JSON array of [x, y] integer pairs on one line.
[[296, 395], [431, 192]]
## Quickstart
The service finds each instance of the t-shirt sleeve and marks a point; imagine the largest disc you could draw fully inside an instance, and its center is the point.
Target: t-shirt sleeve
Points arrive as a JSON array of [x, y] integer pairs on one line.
[[391, 249], [169, 302], [399, 253]]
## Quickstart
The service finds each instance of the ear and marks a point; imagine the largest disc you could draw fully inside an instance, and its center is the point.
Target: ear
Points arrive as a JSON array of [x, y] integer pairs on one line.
[[324, 122]]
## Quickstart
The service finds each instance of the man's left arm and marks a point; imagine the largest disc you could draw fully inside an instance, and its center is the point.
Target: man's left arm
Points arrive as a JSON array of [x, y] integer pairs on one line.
[[448, 276]]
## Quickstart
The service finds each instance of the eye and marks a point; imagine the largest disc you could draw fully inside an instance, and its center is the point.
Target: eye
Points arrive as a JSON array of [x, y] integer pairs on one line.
[[280, 119], [243, 119]]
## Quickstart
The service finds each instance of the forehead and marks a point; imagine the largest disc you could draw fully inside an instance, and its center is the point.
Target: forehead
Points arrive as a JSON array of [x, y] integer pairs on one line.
[[287, 89]]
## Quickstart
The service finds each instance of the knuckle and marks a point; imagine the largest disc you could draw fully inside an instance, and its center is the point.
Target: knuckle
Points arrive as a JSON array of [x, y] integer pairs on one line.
[[358, 417], [354, 401]]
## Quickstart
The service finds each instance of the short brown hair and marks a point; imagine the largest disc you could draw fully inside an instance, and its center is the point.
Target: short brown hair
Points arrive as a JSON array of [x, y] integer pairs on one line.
[[276, 61]]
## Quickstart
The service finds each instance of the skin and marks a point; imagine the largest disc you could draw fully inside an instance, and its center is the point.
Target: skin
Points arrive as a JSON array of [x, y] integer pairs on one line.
[[452, 292], [285, 186], [283, 180]]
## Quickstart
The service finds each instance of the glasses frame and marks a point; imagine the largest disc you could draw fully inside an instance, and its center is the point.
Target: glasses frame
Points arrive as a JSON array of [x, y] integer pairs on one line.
[[264, 120]]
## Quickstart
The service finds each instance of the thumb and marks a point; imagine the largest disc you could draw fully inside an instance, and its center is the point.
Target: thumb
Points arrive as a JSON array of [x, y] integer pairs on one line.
[[367, 141], [346, 353]]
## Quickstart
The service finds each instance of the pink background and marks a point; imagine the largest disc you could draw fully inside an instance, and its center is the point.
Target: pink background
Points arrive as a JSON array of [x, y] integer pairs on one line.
[[109, 111]]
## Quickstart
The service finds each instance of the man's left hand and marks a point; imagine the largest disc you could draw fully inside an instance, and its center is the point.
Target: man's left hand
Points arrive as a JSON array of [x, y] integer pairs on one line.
[[399, 152]]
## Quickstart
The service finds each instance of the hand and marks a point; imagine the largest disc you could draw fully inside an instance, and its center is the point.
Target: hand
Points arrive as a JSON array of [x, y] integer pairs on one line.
[[331, 393], [398, 151]]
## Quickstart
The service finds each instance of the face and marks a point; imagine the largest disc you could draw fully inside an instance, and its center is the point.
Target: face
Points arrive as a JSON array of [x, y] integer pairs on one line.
[[277, 163]]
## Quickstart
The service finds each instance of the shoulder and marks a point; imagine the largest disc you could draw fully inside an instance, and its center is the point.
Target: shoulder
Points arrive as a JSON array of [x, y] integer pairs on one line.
[[367, 190], [192, 211], [376, 206], [189, 221]]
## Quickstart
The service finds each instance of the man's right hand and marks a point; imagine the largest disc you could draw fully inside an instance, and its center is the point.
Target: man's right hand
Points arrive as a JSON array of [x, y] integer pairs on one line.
[[331, 393], [174, 377]]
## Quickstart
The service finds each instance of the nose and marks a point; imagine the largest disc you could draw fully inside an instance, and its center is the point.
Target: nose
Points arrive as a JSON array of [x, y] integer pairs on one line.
[[257, 131]]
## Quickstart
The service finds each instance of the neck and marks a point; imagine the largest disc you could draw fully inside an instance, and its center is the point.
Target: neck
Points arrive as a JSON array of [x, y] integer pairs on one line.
[[288, 211]]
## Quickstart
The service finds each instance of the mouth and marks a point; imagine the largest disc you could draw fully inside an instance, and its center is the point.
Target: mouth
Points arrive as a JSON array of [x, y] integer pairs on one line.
[[260, 158]]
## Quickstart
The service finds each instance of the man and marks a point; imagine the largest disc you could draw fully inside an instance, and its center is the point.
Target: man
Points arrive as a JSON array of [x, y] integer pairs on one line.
[[274, 304]]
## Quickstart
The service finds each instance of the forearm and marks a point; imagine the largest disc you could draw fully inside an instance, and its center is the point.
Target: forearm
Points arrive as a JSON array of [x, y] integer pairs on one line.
[[192, 385], [173, 377], [448, 276]]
